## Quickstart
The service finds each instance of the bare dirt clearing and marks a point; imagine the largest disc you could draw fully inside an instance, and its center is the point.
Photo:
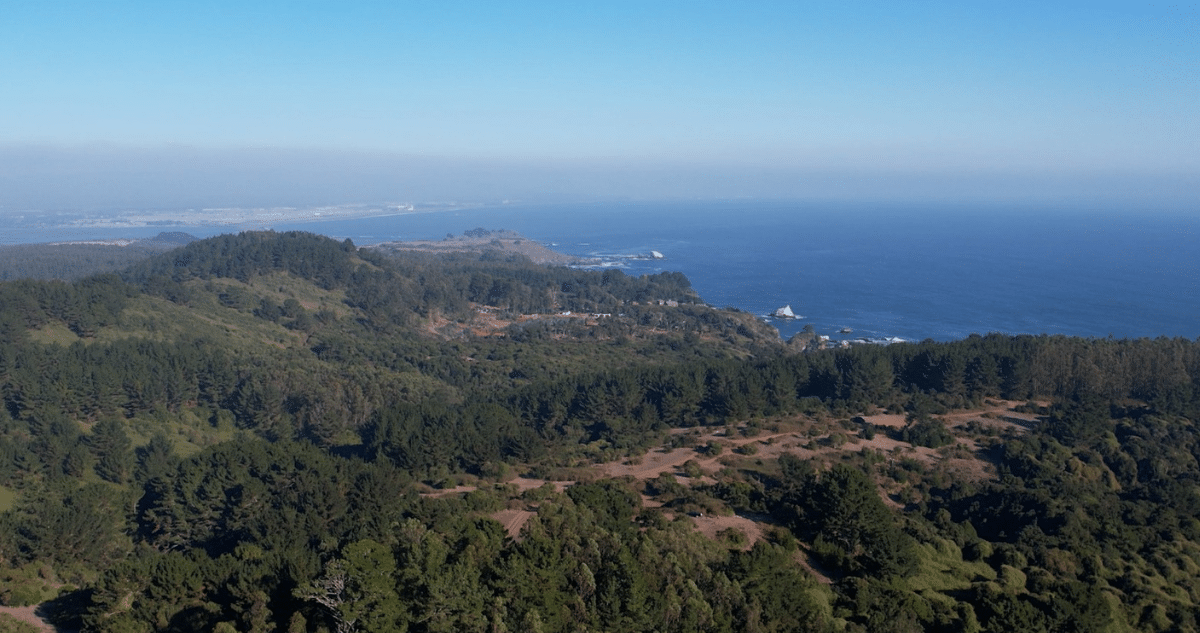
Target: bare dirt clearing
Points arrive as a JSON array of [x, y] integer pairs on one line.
[[823, 440], [513, 520], [998, 414], [522, 484], [29, 616], [712, 526]]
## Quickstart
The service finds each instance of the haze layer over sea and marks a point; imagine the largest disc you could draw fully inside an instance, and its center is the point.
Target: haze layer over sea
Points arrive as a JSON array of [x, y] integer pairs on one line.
[[887, 270]]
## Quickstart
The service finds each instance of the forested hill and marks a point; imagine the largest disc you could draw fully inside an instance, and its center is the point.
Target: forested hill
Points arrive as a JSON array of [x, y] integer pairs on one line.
[[307, 336], [410, 285], [246, 434], [76, 260]]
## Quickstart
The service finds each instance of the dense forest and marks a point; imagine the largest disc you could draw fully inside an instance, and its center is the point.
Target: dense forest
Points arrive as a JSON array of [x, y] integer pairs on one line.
[[283, 432], [70, 261]]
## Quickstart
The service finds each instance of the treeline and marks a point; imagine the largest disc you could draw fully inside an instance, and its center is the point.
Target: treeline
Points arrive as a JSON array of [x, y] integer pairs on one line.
[[74, 261], [629, 410]]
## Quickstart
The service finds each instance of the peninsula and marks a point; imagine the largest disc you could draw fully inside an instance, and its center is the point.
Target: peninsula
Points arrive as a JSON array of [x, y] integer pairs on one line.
[[483, 240]]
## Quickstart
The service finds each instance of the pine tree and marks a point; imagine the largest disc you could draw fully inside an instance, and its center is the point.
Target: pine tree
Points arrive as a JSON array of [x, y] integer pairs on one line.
[[111, 446]]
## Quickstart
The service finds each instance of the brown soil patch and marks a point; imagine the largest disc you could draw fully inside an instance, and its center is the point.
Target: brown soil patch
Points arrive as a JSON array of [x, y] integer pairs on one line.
[[816, 569], [492, 321], [659, 461], [890, 420], [522, 483], [649, 502], [447, 492], [513, 520], [712, 525], [968, 469], [651, 465], [528, 483], [999, 415], [29, 616]]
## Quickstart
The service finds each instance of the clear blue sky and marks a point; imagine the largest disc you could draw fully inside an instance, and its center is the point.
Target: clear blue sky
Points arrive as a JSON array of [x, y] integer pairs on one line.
[[941, 92]]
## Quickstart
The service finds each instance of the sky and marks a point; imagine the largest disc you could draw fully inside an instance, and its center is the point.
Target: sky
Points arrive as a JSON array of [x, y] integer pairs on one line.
[[106, 103]]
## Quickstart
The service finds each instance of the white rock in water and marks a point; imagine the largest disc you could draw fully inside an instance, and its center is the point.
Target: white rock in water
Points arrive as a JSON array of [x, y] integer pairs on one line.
[[785, 312]]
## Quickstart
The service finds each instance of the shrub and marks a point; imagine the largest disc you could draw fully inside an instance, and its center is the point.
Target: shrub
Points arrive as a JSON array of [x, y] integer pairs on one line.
[[927, 432], [750, 448]]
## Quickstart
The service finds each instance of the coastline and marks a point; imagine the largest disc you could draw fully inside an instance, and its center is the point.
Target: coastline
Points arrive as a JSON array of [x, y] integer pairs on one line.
[[247, 218], [885, 272]]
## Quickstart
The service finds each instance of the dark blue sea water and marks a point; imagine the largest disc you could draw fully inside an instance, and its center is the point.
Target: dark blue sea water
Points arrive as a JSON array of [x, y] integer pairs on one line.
[[913, 272]]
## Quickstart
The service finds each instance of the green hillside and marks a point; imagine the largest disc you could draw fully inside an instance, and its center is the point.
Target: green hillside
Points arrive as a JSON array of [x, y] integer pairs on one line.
[[282, 432]]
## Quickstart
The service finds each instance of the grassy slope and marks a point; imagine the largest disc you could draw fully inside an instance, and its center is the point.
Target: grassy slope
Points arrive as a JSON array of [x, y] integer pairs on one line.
[[7, 498]]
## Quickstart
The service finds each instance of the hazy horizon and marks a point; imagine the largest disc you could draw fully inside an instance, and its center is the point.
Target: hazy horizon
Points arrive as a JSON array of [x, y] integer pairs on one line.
[[145, 105], [107, 177]]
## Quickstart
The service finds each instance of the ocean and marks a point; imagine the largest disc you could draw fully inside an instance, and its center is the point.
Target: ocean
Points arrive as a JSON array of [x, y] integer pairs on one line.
[[913, 272]]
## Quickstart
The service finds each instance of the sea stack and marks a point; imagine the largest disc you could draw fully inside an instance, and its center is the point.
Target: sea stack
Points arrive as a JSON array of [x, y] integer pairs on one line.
[[785, 312]]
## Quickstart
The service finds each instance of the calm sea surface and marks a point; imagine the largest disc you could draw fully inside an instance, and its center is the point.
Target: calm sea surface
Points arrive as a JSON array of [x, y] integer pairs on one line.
[[883, 271]]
